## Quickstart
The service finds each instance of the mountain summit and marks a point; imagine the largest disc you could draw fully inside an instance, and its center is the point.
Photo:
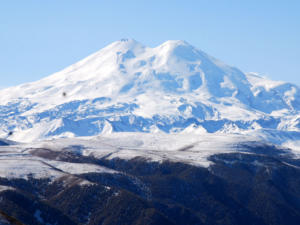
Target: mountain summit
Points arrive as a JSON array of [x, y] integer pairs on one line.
[[172, 88], [175, 137]]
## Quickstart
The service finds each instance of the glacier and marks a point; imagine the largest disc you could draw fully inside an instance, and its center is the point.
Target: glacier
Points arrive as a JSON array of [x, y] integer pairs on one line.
[[171, 88]]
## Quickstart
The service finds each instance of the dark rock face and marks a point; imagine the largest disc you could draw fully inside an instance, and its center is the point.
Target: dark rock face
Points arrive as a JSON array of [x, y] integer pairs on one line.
[[260, 185]]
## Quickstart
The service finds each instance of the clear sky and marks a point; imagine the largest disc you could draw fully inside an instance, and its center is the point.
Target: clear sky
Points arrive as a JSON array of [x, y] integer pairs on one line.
[[40, 37]]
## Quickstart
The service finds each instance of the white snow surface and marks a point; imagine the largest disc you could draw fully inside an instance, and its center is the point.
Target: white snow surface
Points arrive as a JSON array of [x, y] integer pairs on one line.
[[128, 87], [79, 168], [17, 162], [22, 161], [25, 168], [4, 188], [188, 148]]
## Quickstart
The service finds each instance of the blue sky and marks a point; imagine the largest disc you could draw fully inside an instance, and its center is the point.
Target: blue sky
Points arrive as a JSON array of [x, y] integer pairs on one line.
[[38, 38]]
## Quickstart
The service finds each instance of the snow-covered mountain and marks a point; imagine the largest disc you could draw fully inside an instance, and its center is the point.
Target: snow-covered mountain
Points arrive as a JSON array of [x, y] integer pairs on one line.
[[171, 88], [184, 140]]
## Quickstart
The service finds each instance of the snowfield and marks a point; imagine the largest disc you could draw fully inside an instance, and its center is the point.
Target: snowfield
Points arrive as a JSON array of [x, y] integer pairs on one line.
[[172, 88], [42, 159]]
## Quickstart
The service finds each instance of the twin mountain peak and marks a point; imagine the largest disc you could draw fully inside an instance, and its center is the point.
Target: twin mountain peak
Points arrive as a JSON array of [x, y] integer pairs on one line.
[[128, 87]]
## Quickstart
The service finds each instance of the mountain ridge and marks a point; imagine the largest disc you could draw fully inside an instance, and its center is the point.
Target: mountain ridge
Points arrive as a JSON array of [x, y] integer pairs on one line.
[[127, 86]]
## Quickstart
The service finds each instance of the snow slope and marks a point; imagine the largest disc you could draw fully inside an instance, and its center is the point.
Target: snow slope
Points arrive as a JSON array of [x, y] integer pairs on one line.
[[35, 159], [17, 162], [172, 88], [57, 159]]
